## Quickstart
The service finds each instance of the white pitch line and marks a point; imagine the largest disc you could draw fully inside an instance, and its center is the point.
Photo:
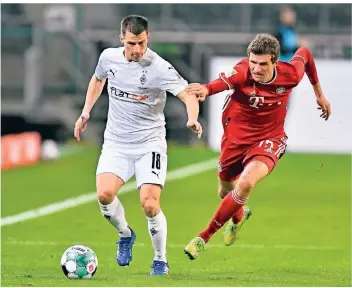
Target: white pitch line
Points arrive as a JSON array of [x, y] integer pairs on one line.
[[170, 245], [184, 172]]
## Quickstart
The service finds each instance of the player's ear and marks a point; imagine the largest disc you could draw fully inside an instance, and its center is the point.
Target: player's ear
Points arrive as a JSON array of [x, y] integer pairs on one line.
[[148, 36], [121, 38]]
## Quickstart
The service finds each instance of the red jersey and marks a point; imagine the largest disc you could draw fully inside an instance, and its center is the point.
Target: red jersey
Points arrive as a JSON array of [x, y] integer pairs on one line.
[[257, 111]]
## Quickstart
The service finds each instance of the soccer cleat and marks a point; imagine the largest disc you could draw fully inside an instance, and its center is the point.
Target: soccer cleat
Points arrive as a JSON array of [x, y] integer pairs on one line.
[[124, 249], [232, 231], [159, 268], [194, 247]]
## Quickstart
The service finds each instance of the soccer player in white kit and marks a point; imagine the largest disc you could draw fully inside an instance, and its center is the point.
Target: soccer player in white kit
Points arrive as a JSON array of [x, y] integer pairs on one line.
[[134, 138]]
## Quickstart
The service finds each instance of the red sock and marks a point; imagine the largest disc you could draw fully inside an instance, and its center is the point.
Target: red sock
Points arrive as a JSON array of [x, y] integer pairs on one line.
[[237, 217], [227, 208]]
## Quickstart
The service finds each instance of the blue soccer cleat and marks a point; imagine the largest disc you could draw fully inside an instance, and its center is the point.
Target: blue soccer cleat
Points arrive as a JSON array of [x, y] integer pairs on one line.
[[159, 268], [124, 249]]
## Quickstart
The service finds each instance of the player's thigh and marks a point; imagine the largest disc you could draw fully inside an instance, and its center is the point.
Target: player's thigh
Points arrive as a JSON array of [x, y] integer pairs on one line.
[[230, 165], [224, 187], [151, 168], [108, 184], [267, 151], [260, 160], [113, 170]]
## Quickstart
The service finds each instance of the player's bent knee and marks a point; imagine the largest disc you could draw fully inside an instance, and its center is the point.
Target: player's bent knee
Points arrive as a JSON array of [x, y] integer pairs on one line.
[[149, 197], [151, 207], [223, 192], [108, 185], [106, 192], [106, 195], [244, 187], [225, 187]]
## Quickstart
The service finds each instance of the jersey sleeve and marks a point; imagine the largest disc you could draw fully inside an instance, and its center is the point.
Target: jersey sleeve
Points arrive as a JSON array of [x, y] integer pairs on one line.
[[303, 62], [101, 68], [235, 77], [170, 80]]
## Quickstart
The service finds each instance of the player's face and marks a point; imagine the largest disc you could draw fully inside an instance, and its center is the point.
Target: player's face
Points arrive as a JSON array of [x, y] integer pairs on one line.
[[135, 45], [262, 69]]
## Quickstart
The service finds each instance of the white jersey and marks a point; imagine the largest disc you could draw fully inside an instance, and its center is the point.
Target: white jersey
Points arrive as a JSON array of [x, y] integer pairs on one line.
[[137, 95]]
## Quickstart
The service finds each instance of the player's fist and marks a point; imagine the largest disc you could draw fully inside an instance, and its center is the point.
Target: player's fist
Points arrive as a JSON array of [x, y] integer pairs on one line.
[[81, 125], [199, 90], [325, 107], [195, 126]]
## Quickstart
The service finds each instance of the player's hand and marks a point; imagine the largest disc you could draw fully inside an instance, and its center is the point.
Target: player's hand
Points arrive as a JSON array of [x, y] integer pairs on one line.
[[195, 126], [325, 107], [303, 43], [81, 125], [199, 90]]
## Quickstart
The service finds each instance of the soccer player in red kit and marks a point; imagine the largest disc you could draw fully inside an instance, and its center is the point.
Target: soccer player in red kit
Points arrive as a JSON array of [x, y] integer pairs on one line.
[[253, 120]]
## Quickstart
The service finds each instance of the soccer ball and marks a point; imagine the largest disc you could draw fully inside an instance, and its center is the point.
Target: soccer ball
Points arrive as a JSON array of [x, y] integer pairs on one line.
[[50, 150], [79, 262]]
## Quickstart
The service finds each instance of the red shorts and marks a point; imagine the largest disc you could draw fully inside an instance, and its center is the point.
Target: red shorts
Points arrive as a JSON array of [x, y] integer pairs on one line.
[[234, 157]]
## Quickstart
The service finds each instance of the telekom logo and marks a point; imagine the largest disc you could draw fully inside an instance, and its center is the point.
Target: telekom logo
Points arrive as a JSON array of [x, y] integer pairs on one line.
[[256, 101]]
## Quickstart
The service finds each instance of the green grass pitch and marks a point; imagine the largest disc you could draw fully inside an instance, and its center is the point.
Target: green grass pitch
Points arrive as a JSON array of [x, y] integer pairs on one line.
[[299, 235]]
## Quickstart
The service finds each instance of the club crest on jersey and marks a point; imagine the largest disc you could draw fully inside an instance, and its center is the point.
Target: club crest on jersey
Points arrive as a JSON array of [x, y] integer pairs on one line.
[[280, 90], [233, 72], [143, 79]]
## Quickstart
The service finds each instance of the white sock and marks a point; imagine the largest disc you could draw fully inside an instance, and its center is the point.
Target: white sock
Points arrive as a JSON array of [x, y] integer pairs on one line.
[[157, 227], [115, 214]]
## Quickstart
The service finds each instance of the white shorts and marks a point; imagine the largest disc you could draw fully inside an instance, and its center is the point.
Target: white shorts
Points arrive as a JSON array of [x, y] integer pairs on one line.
[[148, 164]]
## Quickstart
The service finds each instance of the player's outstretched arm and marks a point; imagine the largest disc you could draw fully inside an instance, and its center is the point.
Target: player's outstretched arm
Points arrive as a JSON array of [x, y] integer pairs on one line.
[[303, 62], [95, 88], [206, 90], [225, 82], [192, 106]]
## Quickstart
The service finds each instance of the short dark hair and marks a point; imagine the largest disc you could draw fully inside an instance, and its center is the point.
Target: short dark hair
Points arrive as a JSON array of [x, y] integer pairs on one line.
[[135, 24], [265, 44]]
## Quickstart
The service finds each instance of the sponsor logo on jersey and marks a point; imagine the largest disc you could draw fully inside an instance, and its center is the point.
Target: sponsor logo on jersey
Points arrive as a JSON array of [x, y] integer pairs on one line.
[[112, 72], [118, 93]]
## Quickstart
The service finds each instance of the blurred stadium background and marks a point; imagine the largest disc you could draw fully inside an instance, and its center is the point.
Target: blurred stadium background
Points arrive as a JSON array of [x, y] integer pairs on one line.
[[48, 54]]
